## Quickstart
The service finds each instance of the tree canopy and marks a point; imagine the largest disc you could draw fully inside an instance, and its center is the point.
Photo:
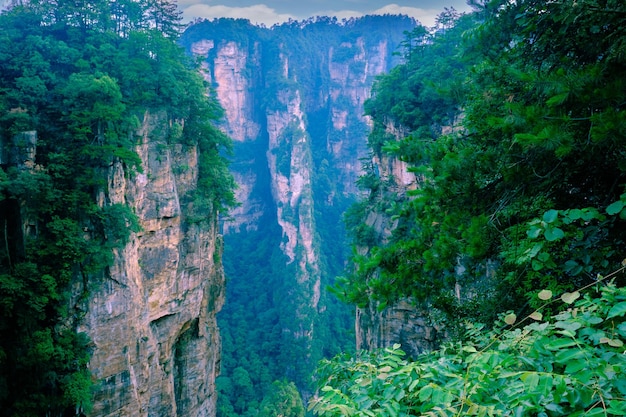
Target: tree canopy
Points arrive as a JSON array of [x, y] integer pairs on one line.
[[512, 121], [75, 78], [565, 365], [268, 303], [514, 130]]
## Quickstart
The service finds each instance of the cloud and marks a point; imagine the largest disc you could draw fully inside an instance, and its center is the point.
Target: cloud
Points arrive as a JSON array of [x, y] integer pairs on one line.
[[425, 16], [340, 14], [263, 14], [257, 14]]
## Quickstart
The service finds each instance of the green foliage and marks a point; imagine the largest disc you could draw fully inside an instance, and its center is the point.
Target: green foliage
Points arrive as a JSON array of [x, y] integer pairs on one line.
[[526, 195], [283, 151], [93, 106], [524, 189], [256, 347], [344, 53], [119, 221], [564, 365], [215, 190], [254, 352], [267, 308], [572, 243], [80, 76], [283, 400]]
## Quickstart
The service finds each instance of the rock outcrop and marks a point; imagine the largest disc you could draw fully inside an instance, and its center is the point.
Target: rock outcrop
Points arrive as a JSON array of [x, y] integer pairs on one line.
[[403, 322], [151, 318], [293, 99], [413, 325]]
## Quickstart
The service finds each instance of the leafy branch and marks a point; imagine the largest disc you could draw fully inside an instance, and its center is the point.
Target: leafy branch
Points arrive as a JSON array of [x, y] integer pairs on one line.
[[566, 365]]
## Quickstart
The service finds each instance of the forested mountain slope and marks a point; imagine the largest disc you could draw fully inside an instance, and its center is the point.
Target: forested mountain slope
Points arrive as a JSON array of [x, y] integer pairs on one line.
[[520, 184], [110, 188], [513, 127]]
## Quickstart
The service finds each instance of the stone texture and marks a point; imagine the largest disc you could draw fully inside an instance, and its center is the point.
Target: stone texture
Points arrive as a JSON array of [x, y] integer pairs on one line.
[[403, 322], [287, 139], [233, 87], [151, 318], [233, 69]]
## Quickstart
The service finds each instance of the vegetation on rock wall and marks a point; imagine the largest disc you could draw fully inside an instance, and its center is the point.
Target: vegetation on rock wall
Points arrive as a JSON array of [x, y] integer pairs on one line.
[[74, 82], [528, 186], [270, 329], [283, 400], [522, 199]]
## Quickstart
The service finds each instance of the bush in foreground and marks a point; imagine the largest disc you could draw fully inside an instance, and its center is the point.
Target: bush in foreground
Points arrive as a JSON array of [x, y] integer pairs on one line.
[[570, 364]]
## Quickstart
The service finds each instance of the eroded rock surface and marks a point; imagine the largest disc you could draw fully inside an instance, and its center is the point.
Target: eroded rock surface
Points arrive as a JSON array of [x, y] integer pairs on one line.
[[151, 318]]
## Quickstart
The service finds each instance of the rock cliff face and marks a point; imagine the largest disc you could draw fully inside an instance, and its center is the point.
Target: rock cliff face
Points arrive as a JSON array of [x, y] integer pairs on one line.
[[403, 322], [293, 99], [151, 318]]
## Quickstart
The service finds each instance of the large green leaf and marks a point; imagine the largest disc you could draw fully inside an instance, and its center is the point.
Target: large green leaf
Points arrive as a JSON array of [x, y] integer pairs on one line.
[[553, 233], [550, 216], [615, 208], [618, 310]]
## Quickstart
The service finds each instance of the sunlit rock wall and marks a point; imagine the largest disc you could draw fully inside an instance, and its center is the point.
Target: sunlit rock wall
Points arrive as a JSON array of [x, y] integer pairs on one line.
[[293, 101], [151, 317]]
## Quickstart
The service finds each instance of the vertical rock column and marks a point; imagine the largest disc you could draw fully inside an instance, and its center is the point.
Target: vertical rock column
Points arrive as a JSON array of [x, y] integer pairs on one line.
[[151, 318], [290, 164], [229, 72]]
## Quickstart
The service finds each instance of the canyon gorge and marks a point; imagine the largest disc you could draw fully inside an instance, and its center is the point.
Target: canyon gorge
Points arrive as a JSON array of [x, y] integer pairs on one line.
[[361, 217], [293, 98]]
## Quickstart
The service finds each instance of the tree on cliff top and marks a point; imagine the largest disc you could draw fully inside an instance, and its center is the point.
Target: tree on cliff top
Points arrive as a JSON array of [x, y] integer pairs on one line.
[[80, 76]]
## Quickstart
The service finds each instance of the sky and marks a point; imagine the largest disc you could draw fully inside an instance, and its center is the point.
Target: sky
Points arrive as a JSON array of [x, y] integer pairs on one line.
[[269, 12]]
